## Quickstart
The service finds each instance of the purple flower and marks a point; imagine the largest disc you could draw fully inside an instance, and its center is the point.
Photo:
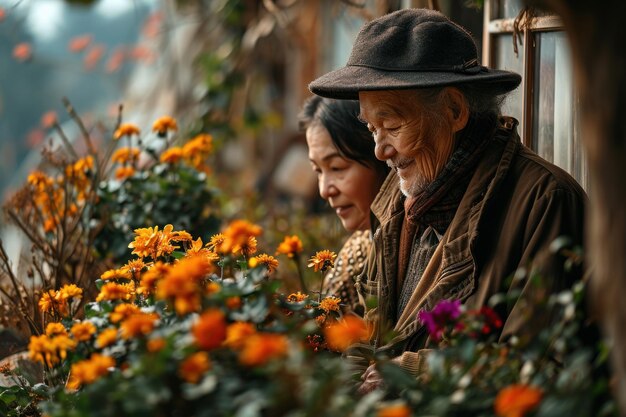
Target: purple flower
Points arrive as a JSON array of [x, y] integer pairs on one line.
[[443, 314]]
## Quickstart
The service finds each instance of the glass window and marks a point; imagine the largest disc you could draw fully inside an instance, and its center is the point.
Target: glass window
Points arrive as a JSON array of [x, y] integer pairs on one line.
[[555, 125], [509, 9], [504, 58]]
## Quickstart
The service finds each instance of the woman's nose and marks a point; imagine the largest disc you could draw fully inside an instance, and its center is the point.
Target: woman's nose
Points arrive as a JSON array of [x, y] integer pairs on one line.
[[327, 187]]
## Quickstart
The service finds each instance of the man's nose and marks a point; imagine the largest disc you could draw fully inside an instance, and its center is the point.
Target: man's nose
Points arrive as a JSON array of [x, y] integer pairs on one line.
[[383, 150]]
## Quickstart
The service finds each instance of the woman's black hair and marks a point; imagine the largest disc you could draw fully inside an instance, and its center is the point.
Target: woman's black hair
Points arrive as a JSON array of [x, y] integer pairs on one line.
[[340, 118]]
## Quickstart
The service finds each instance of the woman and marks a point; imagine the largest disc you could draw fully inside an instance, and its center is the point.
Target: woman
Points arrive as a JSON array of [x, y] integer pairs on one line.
[[341, 151]]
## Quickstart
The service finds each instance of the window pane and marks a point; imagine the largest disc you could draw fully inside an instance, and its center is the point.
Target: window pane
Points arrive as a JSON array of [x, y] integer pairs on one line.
[[556, 132], [504, 58], [508, 9]]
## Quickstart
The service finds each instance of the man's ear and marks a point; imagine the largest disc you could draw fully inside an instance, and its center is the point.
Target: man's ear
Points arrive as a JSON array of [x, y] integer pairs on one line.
[[457, 108]]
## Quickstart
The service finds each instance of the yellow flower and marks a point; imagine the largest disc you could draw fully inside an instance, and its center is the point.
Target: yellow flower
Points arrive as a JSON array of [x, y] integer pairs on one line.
[[126, 129], [517, 400], [395, 410], [329, 304], [350, 329], [82, 331], [106, 337], [124, 172], [54, 329], [140, 324], [50, 348], [172, 155], [125, 155], [322, 261], [120, 273], [266, 260], [192, 368], [153, 242], [237, 334], [90, 370], [164, 124], [70, 291], [260, 348], [115, 291], [210, 330], [290, 246], [123, 311]]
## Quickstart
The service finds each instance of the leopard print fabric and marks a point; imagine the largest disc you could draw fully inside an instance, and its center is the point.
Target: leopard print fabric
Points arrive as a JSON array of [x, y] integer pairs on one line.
[[339, 281]]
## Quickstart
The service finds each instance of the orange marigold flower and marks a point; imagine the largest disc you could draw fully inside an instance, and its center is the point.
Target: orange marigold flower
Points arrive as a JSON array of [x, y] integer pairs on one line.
[[156, 345], [120, 273], [260, 348], [51, 302], [237, 235], [216, 242], [70, 291], [266, 260], [517, 400], [210, 329], [172, 155], [126, 129], [90, 370], [164, 124], [350, 329], [123, 311], [183, 284], [246, 248], [322, 260], [138, 325], [124, 155], [115, 291], [193, 367], [22, 51], [395, 410], [79, 43], [106, 337], [124, 172], [290, 246], [329, 304], [40, 180], [201, 145], [212, 288], [297, 297], [233, 303], [150, 278], [134, 267], [83, 331], [237, 334]]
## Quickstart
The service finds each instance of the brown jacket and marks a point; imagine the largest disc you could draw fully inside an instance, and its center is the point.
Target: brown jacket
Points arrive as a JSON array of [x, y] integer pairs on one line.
[[516, 204]]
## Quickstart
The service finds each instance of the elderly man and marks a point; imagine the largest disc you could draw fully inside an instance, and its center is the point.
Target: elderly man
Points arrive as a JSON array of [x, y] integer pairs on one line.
[[466, 204]]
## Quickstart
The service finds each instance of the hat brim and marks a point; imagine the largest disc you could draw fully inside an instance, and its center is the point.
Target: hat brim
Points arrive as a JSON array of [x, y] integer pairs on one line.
[[345, 83]]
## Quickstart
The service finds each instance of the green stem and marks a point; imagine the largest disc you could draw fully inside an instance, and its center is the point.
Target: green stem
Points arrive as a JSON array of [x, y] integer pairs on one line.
[[296, 259]]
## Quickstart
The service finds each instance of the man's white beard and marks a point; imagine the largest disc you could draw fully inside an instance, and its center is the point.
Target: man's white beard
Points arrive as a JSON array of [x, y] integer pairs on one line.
[[414, 188]]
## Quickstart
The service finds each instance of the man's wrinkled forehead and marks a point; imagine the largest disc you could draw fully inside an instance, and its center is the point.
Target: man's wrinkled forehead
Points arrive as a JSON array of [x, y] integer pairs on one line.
[[385, 103]]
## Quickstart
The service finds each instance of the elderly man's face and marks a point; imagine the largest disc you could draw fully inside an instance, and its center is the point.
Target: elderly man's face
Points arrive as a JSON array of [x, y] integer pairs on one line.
[[412, 133]]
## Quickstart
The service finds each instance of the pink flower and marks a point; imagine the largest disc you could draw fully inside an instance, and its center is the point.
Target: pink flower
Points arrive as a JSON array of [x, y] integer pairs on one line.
[[442, 315]]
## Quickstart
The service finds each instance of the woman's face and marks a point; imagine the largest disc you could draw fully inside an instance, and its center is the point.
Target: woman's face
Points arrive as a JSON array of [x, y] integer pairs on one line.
[[348, 186]]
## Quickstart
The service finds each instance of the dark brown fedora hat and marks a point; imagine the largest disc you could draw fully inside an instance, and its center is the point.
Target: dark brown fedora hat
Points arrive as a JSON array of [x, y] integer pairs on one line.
[[411, 48]]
